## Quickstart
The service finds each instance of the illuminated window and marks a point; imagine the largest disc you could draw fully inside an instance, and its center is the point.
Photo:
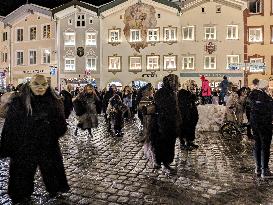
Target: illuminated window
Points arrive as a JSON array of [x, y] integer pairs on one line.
[[114, 63], [46, 56], [210, 62], [91, 64], [169, 62], [135, 63], [91, 39], [46, 31], [153, 35], [69, 64], [188, 62], [152, 63], [69, 39], [232, 59]]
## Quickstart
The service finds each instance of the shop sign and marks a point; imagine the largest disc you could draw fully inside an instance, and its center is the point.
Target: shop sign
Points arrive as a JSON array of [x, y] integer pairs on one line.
[[252, 67], [219, 75]]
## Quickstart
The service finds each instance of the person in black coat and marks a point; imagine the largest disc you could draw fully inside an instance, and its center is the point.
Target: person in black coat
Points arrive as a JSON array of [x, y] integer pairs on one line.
[[67, 100], [261, 123], [34, 123], [189, 117], [168, 121]]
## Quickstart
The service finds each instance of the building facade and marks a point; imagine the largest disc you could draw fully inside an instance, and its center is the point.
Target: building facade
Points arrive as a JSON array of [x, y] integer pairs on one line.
[[212, 39], [259, 39], [78, 43], [32, 43]]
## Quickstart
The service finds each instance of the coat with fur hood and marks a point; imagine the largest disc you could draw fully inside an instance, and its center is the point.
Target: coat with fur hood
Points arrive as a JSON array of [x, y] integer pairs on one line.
[[35, 132]]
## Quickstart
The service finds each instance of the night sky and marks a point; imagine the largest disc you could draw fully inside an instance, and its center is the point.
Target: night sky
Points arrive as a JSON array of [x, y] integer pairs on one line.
[[7, 6]]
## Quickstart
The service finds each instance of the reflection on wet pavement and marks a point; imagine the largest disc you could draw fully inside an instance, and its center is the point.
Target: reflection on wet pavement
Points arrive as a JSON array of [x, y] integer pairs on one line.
[[109, 170]]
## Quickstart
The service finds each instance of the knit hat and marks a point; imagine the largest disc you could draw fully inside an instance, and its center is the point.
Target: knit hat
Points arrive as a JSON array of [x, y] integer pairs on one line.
[[263, 84]]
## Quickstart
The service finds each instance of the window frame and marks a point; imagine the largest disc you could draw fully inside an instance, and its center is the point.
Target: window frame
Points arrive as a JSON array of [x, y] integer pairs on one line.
[[236, 32], [110, 31], [153, 30], [90, 40], [215, 63], [130, 63], [21, 34], [43, 56], [81, 20], [120, 64], [34, 57], [165, 29], [21, 57], [205, 33], [158, 62], [261, 28], [165, 63], [48, 33], [30, 33], [65, 65], [183, 62], [193, 33], [131, 35], [5, 36], [86, 63], [70, 34], [231, 56]]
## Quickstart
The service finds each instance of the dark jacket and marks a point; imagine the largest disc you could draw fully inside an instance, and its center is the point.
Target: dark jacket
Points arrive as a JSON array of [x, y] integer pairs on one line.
[[224, 86], [67, 100], [36, 133]]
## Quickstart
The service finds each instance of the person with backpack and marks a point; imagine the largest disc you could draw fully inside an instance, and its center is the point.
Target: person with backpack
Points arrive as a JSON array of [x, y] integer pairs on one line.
[[261, 123]]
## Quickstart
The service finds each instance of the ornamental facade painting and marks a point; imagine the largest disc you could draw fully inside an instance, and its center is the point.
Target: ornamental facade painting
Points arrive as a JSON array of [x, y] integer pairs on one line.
[[138, 18]]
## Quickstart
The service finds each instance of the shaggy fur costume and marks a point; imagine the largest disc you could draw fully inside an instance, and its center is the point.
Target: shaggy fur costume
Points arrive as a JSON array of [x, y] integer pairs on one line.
[[30, 136], [167, 114], [189, 114]]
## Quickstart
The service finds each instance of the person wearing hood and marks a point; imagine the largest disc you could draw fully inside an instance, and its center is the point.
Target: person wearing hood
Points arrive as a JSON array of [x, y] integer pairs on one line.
[[261, 123], [34, 123], [206, 90], [168, 121], [224, 89]]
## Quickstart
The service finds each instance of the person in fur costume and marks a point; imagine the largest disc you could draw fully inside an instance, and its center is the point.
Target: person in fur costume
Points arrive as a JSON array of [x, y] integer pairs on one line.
[[189, 115], [168, 120], [67, 99], [34, 123], [115, 112], [89, 118]]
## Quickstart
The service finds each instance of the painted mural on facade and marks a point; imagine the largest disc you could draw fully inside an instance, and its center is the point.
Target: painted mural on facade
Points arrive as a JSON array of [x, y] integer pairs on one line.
[[139, 16]]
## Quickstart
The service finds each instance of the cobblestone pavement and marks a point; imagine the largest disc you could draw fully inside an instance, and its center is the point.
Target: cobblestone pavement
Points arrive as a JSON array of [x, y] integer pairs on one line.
[[110, 170]]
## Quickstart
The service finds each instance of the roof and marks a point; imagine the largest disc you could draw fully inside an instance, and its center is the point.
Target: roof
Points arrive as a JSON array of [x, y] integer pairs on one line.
[[24, 10], [75, 3], [117, 2]]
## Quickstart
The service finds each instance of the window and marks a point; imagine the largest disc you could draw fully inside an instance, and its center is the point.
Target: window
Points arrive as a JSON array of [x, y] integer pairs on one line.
[[203, 10], [32, 57], [91, 64], [69, 64], [80, 20], [169, 63], [232, 59], [188, 33], [46, 31], [114, 35], [20, 57], [20, 34], [169, 34], [256, 68], [32, 33], [210, 62], [188, 62], [135, 35], [5, 36], [255, 35], [114, 63], [210, 33], [91, 39], [254, 6], [152, 63], [218, 9], [232, 32], [4, 57], [153, 35], [91, 21], [46, 56], [135, 63], [69, 39], [69, 21]]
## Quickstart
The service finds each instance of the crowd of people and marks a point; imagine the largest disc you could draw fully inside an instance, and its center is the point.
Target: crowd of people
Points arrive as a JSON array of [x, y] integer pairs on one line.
[[35, 119]]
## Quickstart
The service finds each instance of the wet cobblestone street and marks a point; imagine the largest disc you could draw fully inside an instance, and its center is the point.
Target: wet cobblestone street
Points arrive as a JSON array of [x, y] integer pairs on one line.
[[110, 170]]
